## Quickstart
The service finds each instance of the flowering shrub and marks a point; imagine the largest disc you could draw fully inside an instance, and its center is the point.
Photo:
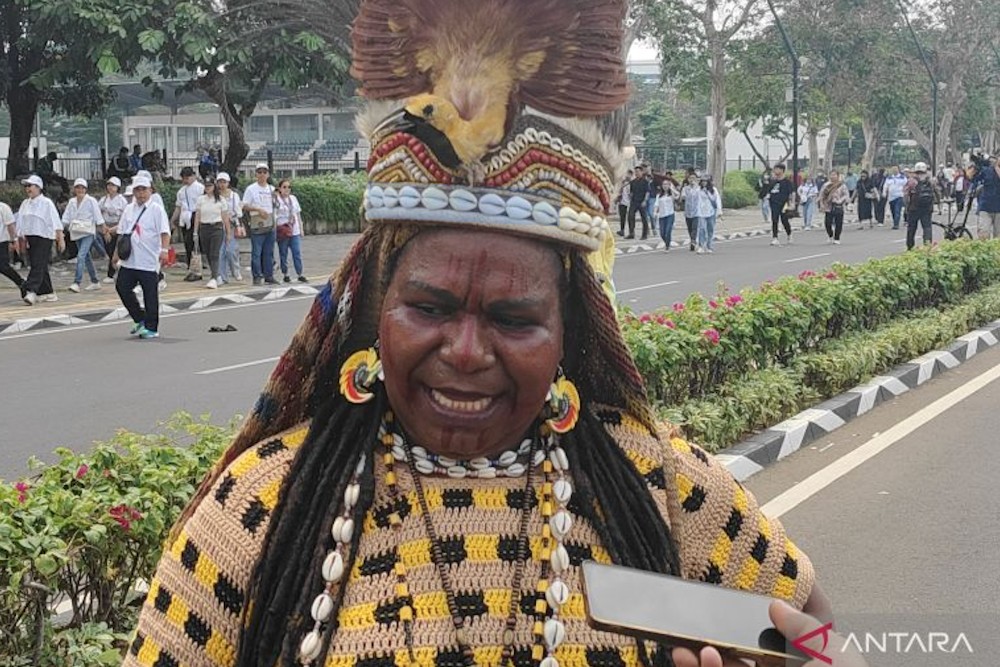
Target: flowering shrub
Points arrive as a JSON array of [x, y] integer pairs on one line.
[[83, 532], [709, 342]]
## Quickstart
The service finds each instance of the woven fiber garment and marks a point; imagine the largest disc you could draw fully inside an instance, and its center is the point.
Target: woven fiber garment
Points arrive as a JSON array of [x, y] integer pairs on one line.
[[192, 614]]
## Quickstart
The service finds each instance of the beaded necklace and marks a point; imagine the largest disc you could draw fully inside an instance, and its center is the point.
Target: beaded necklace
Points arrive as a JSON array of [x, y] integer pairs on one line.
[[552, 592]]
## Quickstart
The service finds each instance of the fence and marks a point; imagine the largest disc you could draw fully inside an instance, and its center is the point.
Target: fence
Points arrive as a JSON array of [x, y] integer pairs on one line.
[[69, 168]]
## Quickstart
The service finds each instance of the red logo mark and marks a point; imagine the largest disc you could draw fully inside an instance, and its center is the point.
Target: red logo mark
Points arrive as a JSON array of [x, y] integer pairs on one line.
[[799, 643]]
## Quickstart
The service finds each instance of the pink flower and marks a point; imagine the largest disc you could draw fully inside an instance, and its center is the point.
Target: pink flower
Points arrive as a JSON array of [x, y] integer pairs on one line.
[[831, 275], [646, 318], [81, 471], [678, 307], [125, 515], [732, 301], [713, 304], [669, 324], [712, 336], [107, 473], [806, 274], [22, 491]]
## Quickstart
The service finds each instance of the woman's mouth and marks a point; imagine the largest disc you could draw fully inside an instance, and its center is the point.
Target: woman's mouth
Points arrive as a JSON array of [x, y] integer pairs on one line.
[[465, 405]]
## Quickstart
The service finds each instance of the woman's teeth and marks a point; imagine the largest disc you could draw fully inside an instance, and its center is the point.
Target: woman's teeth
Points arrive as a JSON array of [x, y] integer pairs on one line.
[[460, 406]]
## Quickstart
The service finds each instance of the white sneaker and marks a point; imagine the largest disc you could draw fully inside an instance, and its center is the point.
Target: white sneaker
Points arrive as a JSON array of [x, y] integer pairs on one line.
[[239, 277], [212, 284], [836, 243], [775, 242], [700, 251], [789, 241], [92, 287], [163, 285], [49, 298], [30, 298], [829, 240], [108, 281], [75, 287]]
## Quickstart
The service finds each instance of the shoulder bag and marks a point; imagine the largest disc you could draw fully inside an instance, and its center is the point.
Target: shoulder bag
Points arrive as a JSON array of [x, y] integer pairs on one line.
[[124, 245]]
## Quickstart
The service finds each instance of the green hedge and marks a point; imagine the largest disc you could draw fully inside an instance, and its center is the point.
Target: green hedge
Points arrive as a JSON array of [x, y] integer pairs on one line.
[[89, 528], [736, 193]]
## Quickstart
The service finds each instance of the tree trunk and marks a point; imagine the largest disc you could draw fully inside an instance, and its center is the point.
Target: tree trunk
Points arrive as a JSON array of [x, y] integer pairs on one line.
[[831, 144], [22, 103], [813, 133], [870, 128], [717, 150]]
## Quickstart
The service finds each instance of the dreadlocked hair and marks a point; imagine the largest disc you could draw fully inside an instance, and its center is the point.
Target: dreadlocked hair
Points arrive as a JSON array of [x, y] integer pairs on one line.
[[611, 494]]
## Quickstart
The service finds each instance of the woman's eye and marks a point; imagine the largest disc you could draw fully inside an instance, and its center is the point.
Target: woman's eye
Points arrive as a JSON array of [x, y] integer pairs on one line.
[[510, 322], [429, 309]]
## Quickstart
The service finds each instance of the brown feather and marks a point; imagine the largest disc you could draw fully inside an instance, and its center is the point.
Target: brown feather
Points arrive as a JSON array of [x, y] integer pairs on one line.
[[582, 72]]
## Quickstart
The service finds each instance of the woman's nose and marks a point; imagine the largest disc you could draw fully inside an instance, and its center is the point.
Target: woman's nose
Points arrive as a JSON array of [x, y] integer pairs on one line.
[[467, 347]]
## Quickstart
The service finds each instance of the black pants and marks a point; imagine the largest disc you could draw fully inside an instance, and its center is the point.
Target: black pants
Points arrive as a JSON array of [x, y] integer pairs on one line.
[[778, 213], [960, 200], [109, 247], [692, 225], [880, 210], [632, 209], [622, 216], [913, 218], [6, 269], [188, 234], [149, 316], [834, 223], [40, 252], [211, 238]]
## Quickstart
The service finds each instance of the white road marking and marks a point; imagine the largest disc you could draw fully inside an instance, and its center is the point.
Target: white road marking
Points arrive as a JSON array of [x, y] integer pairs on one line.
[[234, 367], [821, 479], [639, 289], [163, 316], [802, 259], [826, 447]]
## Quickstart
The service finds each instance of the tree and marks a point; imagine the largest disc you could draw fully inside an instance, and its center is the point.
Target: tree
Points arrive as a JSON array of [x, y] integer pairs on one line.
[[54, 54], [686, 30], [233, 51]]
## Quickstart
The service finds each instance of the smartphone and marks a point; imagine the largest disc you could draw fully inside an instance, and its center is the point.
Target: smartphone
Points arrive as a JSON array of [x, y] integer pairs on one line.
[[689, 614]]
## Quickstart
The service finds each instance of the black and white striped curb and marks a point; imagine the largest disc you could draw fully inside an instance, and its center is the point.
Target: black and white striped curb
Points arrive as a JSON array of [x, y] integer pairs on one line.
[[660, 245], [761, 450], [181, 305]]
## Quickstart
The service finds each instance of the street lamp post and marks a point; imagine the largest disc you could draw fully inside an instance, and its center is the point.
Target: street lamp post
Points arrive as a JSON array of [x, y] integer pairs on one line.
[[796, 65], [934, 87]]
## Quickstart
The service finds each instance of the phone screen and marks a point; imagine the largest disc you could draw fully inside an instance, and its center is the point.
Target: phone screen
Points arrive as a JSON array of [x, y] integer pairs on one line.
[[659, 606]]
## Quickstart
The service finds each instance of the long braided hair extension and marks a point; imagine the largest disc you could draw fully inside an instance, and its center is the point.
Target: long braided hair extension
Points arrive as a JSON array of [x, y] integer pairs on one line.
[[611, 494]]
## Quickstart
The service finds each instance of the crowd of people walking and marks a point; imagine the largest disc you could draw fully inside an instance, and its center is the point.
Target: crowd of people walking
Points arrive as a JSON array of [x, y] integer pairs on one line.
[[131, 230]]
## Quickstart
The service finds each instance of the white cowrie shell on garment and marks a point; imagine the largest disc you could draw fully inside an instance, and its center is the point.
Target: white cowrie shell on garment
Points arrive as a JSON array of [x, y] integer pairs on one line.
[[549, 662], [561, 523], [351, 495], [310, 647], [559, 559], [322, 607], [555, 633], [333, 567], [557, 594], [562, 490]]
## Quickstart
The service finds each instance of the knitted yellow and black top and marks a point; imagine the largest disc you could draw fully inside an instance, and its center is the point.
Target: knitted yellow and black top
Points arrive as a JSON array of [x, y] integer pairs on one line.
[[192, 615]]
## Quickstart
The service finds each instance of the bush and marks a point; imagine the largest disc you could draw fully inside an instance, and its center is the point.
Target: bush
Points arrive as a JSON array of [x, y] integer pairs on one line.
[[87, 529], [331, 202], [687, 351], [736, 193], [12, 194]]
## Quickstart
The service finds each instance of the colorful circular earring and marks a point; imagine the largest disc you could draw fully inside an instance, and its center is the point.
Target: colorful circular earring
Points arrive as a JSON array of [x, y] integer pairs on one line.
[[359, 374], [562, 405]]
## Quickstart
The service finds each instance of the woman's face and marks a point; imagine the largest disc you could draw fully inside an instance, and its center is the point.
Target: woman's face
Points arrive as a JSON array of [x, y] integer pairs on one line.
[[471, 336], [112, 189]]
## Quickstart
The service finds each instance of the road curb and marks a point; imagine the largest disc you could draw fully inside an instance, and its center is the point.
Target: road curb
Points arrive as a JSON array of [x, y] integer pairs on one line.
[[771, 445], [56, 321], [660, 245]]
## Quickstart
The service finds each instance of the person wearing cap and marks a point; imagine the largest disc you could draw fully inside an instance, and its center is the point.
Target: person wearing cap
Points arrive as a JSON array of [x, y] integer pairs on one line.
[[211, 225], [39, 224], [258, 199], [229, 256], [112, 205], [921, 194], [184, 210], [83, 218], [892, 192], [148, 227], [8, 235], [155, 197]]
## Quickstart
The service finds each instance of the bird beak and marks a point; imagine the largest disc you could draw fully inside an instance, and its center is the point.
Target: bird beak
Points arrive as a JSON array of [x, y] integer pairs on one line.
[[398, 120]]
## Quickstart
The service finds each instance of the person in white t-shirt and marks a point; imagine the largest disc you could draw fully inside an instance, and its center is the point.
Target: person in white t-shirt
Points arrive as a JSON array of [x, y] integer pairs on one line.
[[184, 210], [82, 218], [8, 235], [148, 227], [211, 225], [288, 218], [258, 199], [38, 223], [229, 257], [111, 204]]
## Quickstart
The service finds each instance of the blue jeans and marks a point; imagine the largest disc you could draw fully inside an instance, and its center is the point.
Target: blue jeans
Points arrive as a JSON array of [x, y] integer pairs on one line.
[[262, 255], [896, 206], [667, 228], [706, 230], [808, 209], [229, 258], [295, 243], [83, 245], [765, 210]]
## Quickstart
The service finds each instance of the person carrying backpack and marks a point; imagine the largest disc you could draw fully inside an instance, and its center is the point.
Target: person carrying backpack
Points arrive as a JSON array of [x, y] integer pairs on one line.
[[920, 195]]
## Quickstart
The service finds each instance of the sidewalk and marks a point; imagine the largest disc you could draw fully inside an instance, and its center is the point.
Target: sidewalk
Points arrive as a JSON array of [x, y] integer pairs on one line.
[[320, 256]]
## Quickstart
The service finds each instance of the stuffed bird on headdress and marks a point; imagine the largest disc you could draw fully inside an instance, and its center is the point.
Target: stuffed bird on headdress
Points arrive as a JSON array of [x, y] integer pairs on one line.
[[463, 69]]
